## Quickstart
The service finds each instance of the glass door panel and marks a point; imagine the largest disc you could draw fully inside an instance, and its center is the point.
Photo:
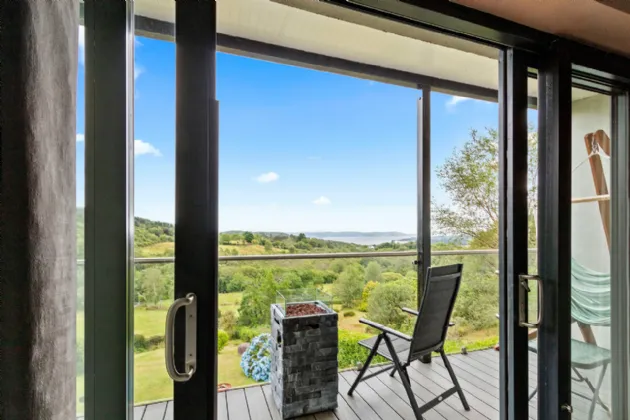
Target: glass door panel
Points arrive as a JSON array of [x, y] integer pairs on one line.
[[154, 211], [591, 228], [582, 337]]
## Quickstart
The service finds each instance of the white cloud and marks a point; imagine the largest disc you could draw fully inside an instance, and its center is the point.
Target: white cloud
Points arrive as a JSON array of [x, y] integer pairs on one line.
[[322, 201], [455, 100], [137, 71], [143, 148], [80, 137], [267, 177]]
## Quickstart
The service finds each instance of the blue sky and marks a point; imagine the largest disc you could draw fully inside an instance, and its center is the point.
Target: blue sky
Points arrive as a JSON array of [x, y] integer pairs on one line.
[[300, 150]]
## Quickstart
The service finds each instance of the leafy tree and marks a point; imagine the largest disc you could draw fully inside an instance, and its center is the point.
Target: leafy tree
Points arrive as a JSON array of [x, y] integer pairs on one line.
[[349, 285], [153, 286], [258, 296], [365, 296], [470, 178], [386, 300], [228, 322], [291, 280], [268, 246], [337, 266], [373, 272], [389, 277], [301, 237], [249, 237]]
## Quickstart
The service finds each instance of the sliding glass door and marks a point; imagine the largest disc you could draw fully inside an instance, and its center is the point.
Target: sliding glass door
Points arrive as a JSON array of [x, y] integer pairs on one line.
[[582, 335]]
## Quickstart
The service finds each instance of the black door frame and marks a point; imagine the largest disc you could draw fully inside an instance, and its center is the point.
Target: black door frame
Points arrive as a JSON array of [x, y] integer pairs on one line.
[[554, 239], [513, 230], [196, 202]]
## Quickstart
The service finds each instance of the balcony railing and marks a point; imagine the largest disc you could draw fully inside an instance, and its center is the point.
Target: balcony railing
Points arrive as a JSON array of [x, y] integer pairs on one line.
[[327, 255]]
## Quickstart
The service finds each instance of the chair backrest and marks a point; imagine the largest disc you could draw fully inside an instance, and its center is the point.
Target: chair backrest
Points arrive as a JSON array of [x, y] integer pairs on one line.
[[440, 291]]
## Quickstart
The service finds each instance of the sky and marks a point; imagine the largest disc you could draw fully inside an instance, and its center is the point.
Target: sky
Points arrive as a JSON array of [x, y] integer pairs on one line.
[[300, 150]]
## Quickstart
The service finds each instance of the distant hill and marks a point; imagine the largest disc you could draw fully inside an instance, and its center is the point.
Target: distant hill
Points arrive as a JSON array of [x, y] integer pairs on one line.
[[146, 232], [324, 235], [149, 232]]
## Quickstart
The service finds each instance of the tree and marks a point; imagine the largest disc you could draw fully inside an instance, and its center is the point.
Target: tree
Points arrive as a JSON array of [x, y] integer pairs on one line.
[[390, 277], [386, 300], [301, 237], [153, 286], [249, 237], [228, 322], [258, 296], [268, 246], [470, 178], [373, 272], [365, 296], [349, 285]]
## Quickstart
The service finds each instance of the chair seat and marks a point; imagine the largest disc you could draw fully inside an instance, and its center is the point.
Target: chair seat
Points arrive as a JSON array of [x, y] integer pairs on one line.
[[583, 355], [400, 346]]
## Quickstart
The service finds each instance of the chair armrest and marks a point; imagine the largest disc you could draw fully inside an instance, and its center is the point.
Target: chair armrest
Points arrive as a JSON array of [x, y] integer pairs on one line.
[[385, 329], [410, 311]]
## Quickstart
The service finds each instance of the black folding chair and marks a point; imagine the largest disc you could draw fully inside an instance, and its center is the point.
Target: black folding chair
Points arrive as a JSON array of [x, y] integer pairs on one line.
[[441, 287]]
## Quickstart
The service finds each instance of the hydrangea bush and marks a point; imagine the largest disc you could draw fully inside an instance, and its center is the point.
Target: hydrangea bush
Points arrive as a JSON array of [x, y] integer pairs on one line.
[[256, 361]]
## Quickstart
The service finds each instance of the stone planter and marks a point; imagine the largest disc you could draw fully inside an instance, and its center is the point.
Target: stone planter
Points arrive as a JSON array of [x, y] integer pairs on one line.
[[304, 361]]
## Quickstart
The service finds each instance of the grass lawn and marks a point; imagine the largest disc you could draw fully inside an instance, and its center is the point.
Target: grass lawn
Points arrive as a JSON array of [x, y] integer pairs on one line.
[[229, 366], [162, 249], [230, 301]]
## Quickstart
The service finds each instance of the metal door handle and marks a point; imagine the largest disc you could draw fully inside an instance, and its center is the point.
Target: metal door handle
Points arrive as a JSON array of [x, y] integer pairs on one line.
[[522, 300], [190, 302]]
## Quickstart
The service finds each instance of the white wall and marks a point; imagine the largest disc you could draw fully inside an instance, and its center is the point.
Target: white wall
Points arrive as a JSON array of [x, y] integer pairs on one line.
[[588, 240]]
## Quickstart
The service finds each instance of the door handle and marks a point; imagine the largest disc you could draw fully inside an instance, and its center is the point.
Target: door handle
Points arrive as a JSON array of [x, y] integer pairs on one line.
[[523, 293], [190, 303]]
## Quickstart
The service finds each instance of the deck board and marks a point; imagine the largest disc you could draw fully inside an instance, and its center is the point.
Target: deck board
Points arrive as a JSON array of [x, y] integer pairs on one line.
[[222, 411], [375, 401], [155, 411], [271, 404], [168, 415], [256, 400], [237, 405], [384, 398]]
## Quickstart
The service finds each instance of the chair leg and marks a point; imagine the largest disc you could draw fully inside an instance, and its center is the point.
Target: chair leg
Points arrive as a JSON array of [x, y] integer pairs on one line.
[[366, 365], [404, 378], [596, 398], [393, 372], [532, 394], [460, 392]]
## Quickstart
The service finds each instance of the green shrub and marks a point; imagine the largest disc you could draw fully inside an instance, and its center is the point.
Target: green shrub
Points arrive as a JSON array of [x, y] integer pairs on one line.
[[228, 322], [155, 342], [350, 352], [390, 277], [476, 303], [367, 290], [349, 285], [139, 343], [245, 334], [386, 300], [348, 314], [142, 343], [222, 339]]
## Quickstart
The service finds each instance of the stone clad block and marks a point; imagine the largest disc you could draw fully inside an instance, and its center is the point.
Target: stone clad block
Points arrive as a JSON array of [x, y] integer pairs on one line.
[[304, 365]]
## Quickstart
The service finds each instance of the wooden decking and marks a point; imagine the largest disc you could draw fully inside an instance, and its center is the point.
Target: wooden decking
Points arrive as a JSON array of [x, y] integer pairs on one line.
[[384, 398]]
